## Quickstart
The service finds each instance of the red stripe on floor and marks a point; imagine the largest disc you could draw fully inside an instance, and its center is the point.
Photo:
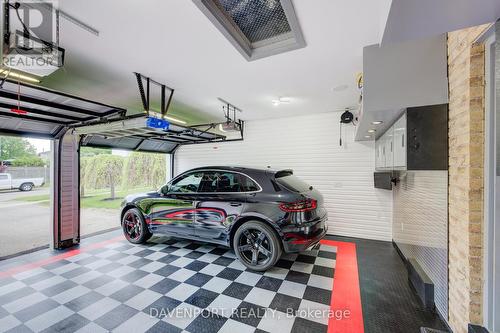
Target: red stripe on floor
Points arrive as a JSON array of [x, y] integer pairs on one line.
[[347, 313], [67, 254]]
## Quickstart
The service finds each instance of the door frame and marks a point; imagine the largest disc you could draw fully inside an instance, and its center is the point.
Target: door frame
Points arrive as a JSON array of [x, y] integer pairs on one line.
[[491, 296]]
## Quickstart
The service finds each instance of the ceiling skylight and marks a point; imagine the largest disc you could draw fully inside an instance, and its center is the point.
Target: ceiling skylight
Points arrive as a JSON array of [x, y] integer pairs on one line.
[[257, 28]]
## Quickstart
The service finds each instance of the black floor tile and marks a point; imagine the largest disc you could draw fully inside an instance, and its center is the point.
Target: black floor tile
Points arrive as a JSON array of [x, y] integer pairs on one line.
[[139, 263], [206, 323], [56, 264], [298, 277], [163, 327], [237, 290], [161, 307], [16, 294], [196, 265], [84, 301], [115, 317], [126, 293], [58, 288], [229, 273], [306, 258], [318, 295], [223, 261], [323, 271], [144, 253], [194, 255], [164, 286], [108, 268], [283, 303], [269, 283], [219, 251], [39, 277], [283, 263], [71, 324], [36, 310], [248, 313], [75, 272], [20, 329], [327, 254], [199, 279], [98, 281], [166, 270], [134, 276], [302, 325], [202, 298], [168, 259]]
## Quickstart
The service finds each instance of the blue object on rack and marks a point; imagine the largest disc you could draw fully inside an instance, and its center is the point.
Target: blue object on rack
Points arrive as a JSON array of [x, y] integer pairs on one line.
[[153, 122]]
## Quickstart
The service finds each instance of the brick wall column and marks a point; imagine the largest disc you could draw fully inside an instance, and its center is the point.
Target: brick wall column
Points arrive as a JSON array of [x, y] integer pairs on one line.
[[466, 167]]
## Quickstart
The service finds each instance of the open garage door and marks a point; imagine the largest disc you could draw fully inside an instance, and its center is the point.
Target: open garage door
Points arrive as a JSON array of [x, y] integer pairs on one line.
[[140, 133], [32, 111]]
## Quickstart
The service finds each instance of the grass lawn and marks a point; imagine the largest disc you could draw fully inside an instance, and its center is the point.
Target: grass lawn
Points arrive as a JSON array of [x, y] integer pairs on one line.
[[94, 199]]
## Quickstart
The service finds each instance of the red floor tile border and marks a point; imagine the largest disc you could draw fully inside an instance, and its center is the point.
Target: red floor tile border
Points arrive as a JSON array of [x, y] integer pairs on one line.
[[64, 255], [345, 306]]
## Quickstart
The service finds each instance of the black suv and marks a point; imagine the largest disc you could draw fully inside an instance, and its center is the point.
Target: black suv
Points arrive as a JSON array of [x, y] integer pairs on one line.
[[258, 213]]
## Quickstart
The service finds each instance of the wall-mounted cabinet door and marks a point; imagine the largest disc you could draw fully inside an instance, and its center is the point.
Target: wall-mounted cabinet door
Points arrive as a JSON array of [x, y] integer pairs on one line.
[[400, 143], [389, 149], [379, 154]]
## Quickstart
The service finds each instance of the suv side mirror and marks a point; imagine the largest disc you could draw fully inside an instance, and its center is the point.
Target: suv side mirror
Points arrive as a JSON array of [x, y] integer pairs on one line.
[[164, 190]]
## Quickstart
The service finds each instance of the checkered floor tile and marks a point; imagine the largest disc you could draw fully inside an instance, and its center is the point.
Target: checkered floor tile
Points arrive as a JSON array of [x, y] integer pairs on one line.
[[169, 285]]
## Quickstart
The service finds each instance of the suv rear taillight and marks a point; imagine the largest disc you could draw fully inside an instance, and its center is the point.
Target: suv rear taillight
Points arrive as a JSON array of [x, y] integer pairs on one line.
[[299, 206]]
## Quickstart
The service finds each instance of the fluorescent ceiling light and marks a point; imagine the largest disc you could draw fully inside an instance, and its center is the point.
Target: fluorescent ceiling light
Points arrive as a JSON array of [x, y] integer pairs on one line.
[[175, 120], [281, 100], [378, 122], [19, 76], [368, 136], [158, 115], [371, 131]]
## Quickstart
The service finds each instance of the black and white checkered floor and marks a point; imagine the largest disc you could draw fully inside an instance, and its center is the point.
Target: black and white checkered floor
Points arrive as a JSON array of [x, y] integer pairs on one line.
[[168, 285]]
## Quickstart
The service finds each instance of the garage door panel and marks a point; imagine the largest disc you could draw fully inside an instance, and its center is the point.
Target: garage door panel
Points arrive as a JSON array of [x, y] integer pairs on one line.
[[66, 192]]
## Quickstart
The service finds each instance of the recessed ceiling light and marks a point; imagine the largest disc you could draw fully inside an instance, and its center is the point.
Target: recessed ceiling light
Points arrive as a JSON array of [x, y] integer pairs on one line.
[[372, 131], [368, 136], [378, 122], [281, 100]]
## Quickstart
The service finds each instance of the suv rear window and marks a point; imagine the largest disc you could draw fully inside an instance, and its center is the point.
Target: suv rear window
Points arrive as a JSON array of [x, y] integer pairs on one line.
[[292, 183]]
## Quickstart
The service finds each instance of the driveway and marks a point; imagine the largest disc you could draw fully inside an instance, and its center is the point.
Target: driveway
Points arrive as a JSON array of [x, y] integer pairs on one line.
[[26, 225]]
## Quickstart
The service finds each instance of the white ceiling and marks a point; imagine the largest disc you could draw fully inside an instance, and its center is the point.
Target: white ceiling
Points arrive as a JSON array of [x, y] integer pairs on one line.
[[174, 43]]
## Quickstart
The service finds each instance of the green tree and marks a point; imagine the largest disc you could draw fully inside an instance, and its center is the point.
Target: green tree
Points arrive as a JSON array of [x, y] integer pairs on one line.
[[104, 171], [84, 165], [28, 161], [91, 151], [13, 147], [144, 170]]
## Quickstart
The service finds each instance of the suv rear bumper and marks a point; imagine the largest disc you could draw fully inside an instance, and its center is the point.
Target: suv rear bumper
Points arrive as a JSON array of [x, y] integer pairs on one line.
[[305, 237]]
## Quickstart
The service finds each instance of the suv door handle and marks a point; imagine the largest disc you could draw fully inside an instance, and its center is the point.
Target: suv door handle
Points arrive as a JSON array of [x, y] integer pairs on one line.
[[235, 204]]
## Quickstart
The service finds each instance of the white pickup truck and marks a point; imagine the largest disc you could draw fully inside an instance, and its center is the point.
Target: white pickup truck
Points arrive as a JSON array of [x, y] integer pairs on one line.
[[23, 184]]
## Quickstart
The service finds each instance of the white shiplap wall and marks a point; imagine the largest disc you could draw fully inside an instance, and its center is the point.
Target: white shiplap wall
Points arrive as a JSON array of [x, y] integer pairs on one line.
[[310, 146]]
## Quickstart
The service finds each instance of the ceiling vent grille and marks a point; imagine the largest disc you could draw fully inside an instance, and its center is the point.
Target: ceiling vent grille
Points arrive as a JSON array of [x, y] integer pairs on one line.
[[257, 28]]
